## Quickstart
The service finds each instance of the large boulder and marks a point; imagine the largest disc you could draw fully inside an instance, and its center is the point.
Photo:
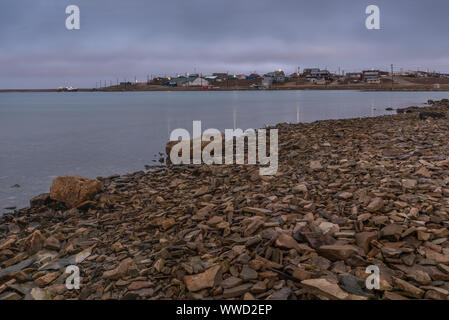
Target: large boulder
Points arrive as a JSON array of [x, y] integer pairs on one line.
[[74, 190]]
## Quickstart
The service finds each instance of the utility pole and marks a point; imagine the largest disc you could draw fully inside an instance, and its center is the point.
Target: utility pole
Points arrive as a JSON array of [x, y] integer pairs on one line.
[[392, 78]]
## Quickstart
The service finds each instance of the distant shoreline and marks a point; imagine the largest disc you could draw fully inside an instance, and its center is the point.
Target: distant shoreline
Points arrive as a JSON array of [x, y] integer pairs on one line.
[[302, 88]]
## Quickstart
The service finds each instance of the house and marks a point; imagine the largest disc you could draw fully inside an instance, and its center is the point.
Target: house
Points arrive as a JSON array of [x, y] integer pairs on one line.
[[319, 74], [212, 78], [309, 71], [220, 76], [352, 76], [198, 82], [295, 75], [371, 76], [241, 76], [253, 76], [178, 82], [277, 76]]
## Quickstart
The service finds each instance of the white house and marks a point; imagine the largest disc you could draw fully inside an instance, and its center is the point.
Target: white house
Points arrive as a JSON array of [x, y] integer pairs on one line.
[[198, 82]]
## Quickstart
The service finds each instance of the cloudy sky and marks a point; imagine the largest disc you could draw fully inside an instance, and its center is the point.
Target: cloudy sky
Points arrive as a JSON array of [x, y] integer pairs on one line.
[[123, 39]]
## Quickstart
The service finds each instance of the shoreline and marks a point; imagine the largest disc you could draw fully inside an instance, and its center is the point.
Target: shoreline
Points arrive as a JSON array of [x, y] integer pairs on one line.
[[233, 89], [349, 193]]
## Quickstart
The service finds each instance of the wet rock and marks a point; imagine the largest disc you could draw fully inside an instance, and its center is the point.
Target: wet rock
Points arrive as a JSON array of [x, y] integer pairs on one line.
[[40, 200]]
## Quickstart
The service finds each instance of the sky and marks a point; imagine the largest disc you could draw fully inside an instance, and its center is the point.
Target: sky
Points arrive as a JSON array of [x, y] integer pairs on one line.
[[136, 38]]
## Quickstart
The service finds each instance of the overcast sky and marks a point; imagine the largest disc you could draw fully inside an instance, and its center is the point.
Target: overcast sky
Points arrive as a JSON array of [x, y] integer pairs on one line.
[[122, 39]]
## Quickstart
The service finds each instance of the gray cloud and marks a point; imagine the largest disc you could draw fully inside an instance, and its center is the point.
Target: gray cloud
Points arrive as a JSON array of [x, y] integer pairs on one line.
[[123, 39]]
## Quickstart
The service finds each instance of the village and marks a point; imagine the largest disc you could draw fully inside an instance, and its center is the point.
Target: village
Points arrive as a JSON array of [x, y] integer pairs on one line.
[[308, 78]]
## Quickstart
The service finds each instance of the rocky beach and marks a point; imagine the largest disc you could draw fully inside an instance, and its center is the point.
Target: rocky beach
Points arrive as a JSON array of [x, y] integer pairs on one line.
[[348, 194]]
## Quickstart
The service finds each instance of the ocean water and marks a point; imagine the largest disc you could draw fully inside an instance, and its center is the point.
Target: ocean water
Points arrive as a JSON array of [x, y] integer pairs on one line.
[[44, 135]]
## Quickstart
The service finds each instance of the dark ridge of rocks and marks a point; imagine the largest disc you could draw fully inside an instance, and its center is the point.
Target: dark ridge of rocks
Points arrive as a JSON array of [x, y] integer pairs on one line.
[[348, 194]]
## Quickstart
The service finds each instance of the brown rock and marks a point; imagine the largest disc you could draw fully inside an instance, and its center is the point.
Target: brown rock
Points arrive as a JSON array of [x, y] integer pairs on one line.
[[231, 282], [375, 205], [391, 232], [46, 279], [237, 291], [207, 279], [52, 243], [407, 288], [74, 190], [338, 252], [36, 242], [137, 285], [326, 288], [363, 240], [120, 271]]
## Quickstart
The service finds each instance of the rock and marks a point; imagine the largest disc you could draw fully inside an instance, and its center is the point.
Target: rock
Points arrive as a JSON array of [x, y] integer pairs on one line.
[[35, 242], [138, 285], [286, 241], [325, 288], [315, 165], [10, 271], [231, 282], [443, 268], [52, 243], [391, 232], [10, 296], [40, 201], [338, 252], [120, 271], [237, 291], [259, 287], [260, 211], [281, 294], [301, 188], [437, 257], [46, 279], [345, 195], [39, 294], [352, 284], [248, 296], [248, 274], [329, 228], [74, 190], [363, 240], [409, 183], [407, 288], [207, 279], [375, 205]]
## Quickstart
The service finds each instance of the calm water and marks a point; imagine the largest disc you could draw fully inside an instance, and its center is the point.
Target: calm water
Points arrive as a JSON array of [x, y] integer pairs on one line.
[[43, 135]]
